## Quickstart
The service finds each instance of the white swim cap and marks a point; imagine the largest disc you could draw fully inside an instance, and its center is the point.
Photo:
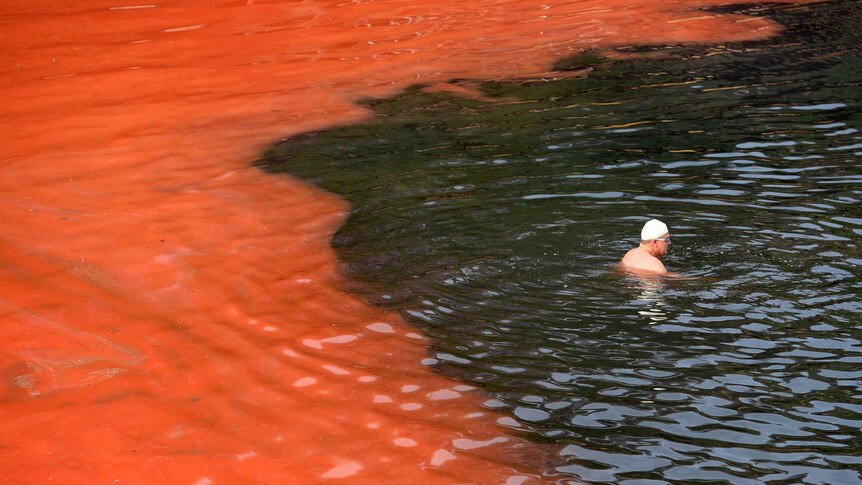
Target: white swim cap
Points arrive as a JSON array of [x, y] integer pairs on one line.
[[653, 229]]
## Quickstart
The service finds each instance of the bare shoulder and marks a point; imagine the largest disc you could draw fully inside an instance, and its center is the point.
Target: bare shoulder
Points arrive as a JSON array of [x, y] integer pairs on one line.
[[630, 256], [639, 260]]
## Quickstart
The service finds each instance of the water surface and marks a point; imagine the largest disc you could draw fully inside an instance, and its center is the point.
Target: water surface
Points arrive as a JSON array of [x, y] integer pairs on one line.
[[493, 222]]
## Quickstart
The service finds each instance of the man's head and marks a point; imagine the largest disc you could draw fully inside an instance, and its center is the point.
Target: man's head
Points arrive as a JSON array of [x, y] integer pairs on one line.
[[655, 236]]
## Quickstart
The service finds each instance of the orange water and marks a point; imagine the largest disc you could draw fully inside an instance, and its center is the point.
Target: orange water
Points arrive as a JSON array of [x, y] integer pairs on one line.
[[171, 315]]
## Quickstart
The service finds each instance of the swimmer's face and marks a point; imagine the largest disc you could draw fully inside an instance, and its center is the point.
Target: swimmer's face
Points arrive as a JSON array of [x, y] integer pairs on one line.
[[662, 244]]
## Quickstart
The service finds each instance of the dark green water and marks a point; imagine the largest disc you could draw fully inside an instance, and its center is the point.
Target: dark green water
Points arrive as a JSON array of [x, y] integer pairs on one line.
[[495, 228]]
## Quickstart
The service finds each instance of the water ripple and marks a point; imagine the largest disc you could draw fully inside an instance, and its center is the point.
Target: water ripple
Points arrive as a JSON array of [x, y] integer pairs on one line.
[[495, 228]]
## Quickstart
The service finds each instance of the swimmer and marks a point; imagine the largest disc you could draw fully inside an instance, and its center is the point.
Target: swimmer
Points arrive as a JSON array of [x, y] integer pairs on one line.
[[646, 258]]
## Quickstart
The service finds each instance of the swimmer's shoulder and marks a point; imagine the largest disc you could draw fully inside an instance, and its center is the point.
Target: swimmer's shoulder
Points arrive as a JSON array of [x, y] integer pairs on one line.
[[637, 261]]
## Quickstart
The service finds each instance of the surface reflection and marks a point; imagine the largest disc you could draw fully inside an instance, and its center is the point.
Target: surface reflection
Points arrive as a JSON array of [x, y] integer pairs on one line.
[[650, 294]]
